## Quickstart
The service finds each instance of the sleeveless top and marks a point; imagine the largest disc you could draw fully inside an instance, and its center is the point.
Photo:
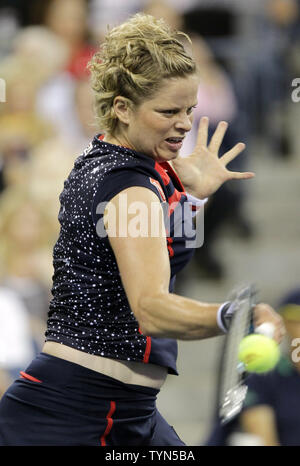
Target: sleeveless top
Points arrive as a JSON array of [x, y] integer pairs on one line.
[[89, 310]]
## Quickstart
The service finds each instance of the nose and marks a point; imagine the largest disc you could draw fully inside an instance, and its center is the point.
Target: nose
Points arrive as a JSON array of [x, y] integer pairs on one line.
[[184, 122]]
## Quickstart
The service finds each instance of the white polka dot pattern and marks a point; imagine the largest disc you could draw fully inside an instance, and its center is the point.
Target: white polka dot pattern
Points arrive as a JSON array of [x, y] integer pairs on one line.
[[89, 310]]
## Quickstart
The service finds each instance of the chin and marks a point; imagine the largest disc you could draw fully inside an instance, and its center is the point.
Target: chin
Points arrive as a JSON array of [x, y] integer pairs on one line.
[[166, 159], [170, 155], [165, 156], [173, 156]]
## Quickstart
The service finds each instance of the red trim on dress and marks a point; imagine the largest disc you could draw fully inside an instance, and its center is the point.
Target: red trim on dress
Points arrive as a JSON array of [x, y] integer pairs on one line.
[[173, 201], [148, 348], [109, 423], [164, 175], [29, 377], [169, 246], [157, 184], [169, 169]]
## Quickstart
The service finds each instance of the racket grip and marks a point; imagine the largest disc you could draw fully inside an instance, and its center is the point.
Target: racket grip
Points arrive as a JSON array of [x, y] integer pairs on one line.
[[267, 329]]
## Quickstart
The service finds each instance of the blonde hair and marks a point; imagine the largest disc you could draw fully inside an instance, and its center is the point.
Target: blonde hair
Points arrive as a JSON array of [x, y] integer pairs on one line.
[[133, 60]]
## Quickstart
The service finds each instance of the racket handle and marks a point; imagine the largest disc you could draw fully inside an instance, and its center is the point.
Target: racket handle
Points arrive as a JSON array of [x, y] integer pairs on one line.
[[267, 329]]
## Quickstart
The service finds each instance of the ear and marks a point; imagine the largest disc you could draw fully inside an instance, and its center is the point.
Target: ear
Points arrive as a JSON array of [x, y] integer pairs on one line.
[[122, 109]]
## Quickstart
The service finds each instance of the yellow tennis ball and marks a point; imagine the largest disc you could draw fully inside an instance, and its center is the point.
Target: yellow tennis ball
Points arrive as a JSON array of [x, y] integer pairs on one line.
[[258, 353]]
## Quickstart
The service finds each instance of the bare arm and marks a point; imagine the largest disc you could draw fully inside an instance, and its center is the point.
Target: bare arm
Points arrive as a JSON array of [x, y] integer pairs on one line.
[[145, 273], [260, 421]]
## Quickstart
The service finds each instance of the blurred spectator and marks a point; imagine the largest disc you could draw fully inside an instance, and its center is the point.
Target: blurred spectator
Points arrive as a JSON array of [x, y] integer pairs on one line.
[[165, 11], [48, 117], [57, 154], [42, 50], [34, 154], [36, 57], [26, 239], [20, 128], [68, 104], [109, 13], [52, 161], [8, 28], [272, 73], [68, 19], [58, 100]]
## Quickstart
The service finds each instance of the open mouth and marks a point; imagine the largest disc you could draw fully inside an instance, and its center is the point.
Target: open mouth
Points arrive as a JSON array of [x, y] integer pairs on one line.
[[174, 143]]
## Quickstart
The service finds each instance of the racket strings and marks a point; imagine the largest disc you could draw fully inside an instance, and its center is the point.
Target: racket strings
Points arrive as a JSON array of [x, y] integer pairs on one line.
[[232, 390]]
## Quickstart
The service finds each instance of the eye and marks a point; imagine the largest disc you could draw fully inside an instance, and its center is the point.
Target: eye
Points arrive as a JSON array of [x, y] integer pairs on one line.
[[169, 112], [174, 111], [190, 110]]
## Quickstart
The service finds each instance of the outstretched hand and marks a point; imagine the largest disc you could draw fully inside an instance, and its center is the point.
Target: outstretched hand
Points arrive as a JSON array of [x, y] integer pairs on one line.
[[203, 172]]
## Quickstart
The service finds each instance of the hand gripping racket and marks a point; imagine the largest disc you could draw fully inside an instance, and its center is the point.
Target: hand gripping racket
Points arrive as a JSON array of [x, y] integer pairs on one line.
[[232, 375]]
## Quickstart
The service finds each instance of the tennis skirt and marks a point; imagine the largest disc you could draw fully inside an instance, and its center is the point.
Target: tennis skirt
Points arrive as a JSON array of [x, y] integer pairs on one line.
[[59, 403]]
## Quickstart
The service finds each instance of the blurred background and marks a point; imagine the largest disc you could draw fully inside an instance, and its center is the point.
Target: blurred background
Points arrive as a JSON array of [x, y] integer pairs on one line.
[[248, 54]]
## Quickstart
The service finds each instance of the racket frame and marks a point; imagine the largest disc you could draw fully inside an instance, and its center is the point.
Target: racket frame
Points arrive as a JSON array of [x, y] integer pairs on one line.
[[232, 387]]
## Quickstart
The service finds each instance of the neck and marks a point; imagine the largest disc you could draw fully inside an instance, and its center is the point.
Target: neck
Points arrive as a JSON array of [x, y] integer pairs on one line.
[[117, 140]]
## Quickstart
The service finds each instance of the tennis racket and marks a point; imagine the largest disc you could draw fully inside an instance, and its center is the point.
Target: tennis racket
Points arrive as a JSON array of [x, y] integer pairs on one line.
[[232, 374]]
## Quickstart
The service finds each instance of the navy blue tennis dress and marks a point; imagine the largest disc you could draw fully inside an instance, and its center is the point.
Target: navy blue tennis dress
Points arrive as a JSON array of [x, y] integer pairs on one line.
[[63, 403]]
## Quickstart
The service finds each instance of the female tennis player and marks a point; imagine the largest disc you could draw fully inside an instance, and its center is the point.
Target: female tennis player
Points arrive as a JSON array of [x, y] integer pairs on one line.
[[114, 319]]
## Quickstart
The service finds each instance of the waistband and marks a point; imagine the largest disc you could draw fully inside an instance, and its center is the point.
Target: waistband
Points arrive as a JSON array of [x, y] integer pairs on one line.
[[57, 372], [128, 372]]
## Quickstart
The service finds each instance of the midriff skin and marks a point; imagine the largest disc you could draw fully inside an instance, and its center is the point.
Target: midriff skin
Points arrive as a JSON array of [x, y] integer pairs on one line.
[[129, 372]]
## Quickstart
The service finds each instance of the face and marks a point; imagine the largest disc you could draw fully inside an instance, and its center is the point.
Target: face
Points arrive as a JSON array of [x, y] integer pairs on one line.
[[67, 18], [158, 126]]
